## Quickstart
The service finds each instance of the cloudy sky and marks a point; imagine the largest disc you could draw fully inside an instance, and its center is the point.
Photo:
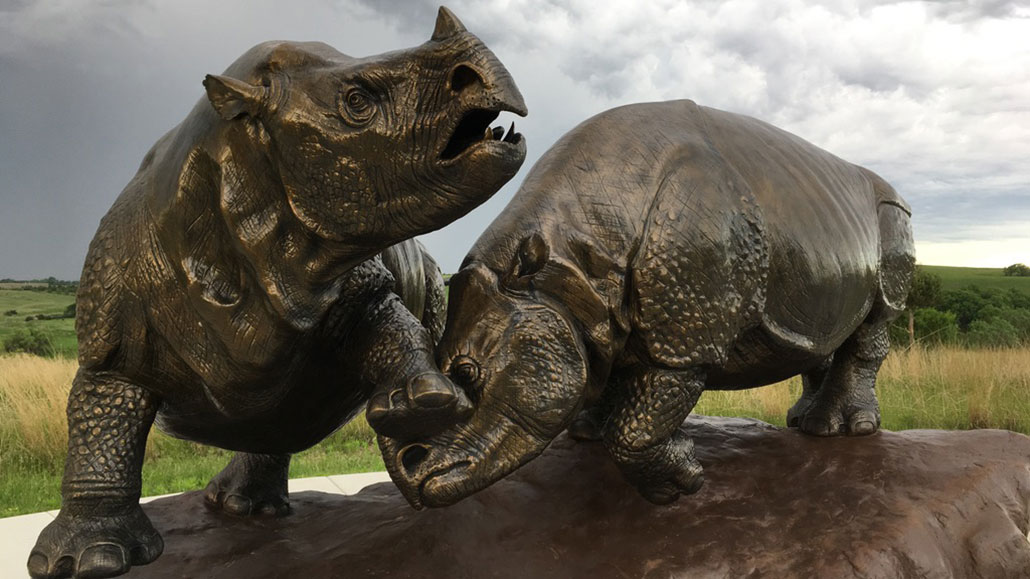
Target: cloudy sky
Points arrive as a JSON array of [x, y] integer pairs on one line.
[[934, 96]]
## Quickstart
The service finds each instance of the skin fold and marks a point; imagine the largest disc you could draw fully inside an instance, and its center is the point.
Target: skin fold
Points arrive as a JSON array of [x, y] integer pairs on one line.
[[236, 295], [656, 251]]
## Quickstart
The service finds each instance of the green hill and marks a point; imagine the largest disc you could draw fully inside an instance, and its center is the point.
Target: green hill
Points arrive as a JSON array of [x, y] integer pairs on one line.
[[984, 277], [28, 303]]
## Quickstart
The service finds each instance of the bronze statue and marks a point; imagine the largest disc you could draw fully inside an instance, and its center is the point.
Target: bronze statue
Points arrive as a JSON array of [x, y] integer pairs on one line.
[[656, 251], [234, 293]]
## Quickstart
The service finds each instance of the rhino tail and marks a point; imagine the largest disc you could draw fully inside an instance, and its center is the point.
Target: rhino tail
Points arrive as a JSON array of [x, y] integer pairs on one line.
[[897, 256]]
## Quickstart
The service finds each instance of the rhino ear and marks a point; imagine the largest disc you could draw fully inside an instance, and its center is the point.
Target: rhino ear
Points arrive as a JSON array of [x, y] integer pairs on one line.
[[232, 97], [533, 254]]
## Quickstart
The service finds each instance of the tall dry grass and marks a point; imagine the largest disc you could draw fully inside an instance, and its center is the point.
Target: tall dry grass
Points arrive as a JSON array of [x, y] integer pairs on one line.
[[33, 397], [919, 388], [949, 388]]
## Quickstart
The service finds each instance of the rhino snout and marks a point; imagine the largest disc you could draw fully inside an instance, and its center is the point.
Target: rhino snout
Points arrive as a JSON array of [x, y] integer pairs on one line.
[[411, 456]]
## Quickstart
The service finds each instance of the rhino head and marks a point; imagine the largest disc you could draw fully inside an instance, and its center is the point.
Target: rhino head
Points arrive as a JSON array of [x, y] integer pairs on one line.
[[374, 150], [526, 343]]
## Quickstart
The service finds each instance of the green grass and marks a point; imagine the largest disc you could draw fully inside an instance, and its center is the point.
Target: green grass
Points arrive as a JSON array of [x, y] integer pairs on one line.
[[985, 277], [29, 485], [30, 303]]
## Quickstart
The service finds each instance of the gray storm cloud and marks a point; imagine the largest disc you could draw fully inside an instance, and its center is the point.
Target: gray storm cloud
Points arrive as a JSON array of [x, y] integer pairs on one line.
[[934, 96]]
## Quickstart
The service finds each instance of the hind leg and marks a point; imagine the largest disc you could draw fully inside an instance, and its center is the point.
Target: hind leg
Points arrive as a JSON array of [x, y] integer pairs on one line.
[[846, 402], [251, 484], [811, 382]]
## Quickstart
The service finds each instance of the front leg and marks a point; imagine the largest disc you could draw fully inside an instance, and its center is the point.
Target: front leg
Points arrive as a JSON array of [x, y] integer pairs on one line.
[[410, 398], [643, 437], [101, 530]]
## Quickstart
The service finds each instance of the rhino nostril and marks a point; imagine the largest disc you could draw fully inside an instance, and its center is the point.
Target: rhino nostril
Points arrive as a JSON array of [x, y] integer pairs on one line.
[[412, 455], [464, 76]]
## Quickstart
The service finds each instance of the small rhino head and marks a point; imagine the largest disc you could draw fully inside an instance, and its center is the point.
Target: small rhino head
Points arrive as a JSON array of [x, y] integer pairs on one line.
[[377, 149], [521, 340]]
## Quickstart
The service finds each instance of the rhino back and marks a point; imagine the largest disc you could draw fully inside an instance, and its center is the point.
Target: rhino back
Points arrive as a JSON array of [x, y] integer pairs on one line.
[[723, 225]]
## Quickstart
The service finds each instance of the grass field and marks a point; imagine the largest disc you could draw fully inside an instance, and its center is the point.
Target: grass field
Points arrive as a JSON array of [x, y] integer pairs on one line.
[[945, 388], [920, 388], [30, 303], [33, 437], [984, 277]]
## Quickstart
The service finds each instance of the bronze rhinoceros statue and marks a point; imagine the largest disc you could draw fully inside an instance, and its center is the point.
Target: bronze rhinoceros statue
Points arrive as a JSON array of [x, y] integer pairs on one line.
[[234, 291], [657, 251]]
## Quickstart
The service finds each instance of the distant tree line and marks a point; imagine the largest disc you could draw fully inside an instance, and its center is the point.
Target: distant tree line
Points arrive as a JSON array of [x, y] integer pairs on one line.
[[49, 285], [971, 316]]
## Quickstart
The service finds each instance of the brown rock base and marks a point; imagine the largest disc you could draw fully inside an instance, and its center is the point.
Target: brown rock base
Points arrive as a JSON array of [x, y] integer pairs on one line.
[[776, 504]]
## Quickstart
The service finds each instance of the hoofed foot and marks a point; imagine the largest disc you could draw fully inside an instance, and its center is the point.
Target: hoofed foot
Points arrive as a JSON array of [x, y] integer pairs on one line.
[[94, 547], [846, 402], [251, 484], [425, 405], [859, 416], [676, 471]]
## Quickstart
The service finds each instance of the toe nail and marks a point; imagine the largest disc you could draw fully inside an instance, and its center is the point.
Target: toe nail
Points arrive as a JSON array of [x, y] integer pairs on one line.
[[378, 407], [864, 427], [237, 505], [38, 564], [431, 391], [102, 560]]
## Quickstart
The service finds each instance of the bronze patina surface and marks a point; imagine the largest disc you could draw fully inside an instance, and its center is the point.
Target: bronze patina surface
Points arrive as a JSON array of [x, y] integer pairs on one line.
[[777, 505], [656, 251], [234, 292]]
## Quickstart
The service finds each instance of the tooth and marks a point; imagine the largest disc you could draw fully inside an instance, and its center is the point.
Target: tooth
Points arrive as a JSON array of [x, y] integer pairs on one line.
[[510, 137], [498, 132], [488, 134]]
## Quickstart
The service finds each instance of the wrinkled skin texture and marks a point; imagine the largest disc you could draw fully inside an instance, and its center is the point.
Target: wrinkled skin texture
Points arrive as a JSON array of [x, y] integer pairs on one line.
[[656, 251], [234, 294]]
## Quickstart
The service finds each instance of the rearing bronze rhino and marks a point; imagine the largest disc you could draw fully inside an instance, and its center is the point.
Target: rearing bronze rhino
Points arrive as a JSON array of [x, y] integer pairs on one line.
[[234, 294], [656, 251]]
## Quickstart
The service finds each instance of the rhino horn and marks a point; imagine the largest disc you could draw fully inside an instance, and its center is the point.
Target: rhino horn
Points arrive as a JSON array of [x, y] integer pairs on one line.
[[447, 25]]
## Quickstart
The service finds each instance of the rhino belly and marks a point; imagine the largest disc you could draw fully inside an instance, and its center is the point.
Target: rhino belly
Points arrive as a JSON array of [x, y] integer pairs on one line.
[[763, 356], [305, 417]]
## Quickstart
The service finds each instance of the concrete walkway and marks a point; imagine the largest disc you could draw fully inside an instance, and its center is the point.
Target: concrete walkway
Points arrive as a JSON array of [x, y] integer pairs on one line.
[[18, 534]]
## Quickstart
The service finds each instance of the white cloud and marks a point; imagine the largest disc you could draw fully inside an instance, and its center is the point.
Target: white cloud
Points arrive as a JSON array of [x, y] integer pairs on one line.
[[935, 96]]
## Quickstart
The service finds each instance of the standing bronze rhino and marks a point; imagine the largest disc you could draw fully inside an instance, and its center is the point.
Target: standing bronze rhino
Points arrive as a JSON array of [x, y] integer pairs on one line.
[[656, 251], [234, 293]]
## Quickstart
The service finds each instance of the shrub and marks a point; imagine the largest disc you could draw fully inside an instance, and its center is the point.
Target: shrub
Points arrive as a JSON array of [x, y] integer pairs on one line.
[[33, 341], [1017, 269], [935, 327], [993, 333], [965, 303], [11, 313]]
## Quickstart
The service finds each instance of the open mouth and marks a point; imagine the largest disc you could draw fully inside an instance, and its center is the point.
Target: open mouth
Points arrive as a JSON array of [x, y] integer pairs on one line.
[[475, 128]]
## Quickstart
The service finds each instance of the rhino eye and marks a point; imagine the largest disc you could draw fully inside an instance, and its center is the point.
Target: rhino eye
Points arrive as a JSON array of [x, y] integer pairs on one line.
[[465, 372], [357, 107]]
